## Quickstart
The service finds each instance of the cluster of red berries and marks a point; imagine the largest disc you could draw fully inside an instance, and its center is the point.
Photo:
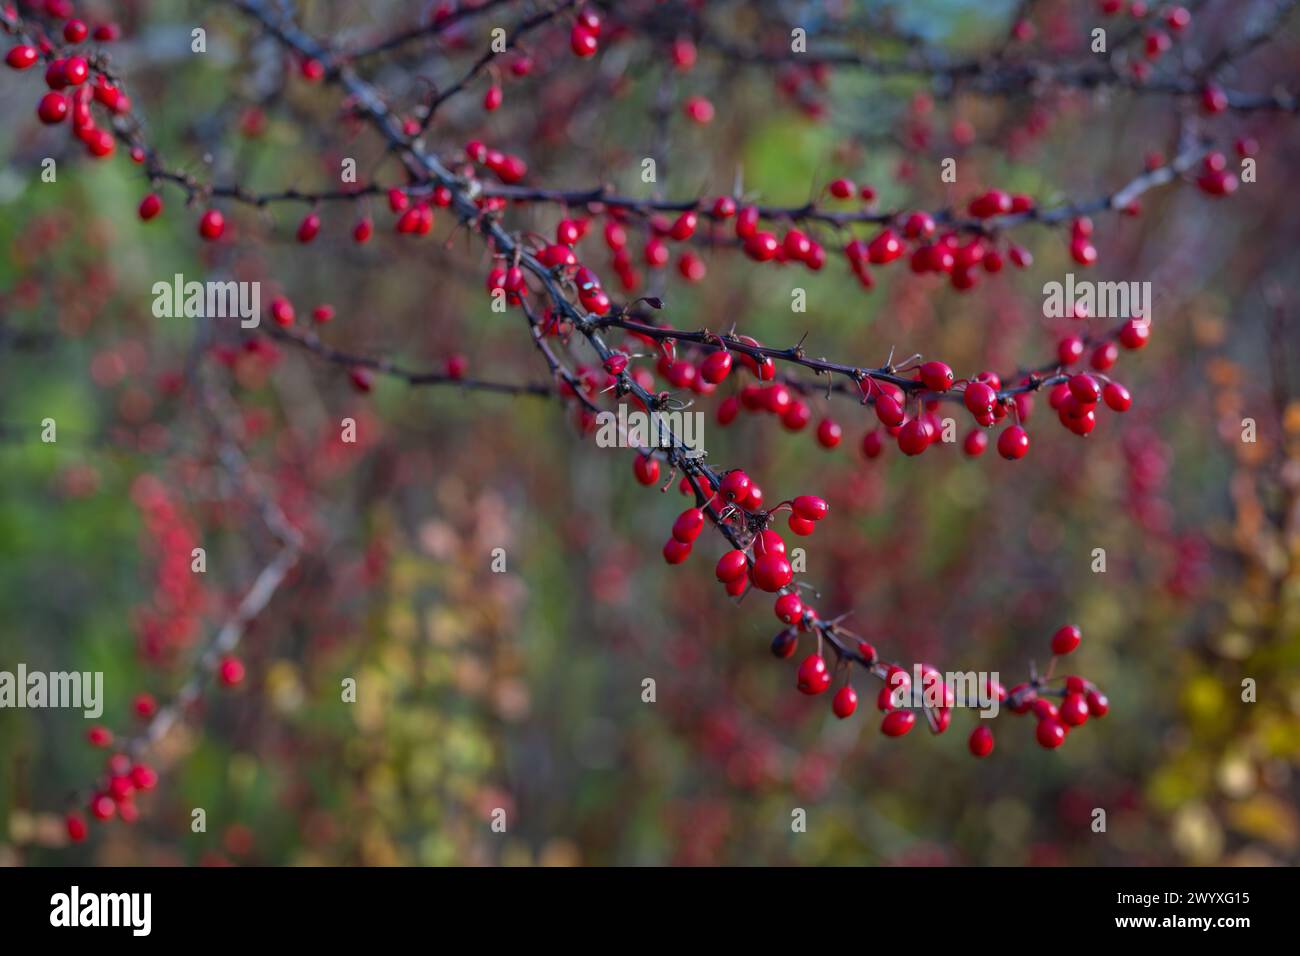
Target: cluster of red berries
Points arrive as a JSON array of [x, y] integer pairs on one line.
[[170, 621], [1080, 699], [115, 793], [73, 85]]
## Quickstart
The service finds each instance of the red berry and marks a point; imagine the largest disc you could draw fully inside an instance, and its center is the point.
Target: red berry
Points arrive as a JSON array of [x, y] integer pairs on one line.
[[76, 827], [716, 366], [937, 376], [735, 486], [102, 807], [22, 57], [981, 741], [845, 702], [363, 230], [688, 525], [75, 70], [761, 246], [230, 671], [784, 644], [829, 433], [731, 566], [975, 444], [582, 41], [282, 311], [789, 608], [1098, 705], [309, 227], [145, 706], [212, 224], [1117, 396], [1213, 99], [810, 507], [771, 572], [1051, 733], [979, 398], [75, 31], [1074, 710], [150, 206], [1104, 356], [646, 469], [1134, 334], [1083, 251], [914, 437], [842, 188], [1066, 639], [802, 526], [1013, 443], [872, 444], [699, 110], [1085, 389], [889, 411], [897, 722], [52, 108], [143, 777], [675, 552], [100, 736], [814, 677]]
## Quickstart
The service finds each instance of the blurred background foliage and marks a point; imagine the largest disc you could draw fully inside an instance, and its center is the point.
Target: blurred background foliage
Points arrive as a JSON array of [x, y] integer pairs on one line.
[[522, 691]]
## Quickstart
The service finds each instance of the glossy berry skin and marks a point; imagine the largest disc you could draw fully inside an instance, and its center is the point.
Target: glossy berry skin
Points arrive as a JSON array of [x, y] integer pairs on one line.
[[1013, 443], [212, 224], [771, 572], [1074, 710], [675, 551], [22, 57], [1098, 705], [52, 109], [731, 566], [1085, 389], [845, 702], [1117, 397], [937, 376], [646, 469], [1066, 639], [975, 444], [735, 486], [583, 42], [1134, 334], [897, 722], [914, 437], [814, 676], [810, 507], [979, 398], [829, 433], [789, 608], [1050, 733], [981, 741], [230, 671], [715, 367], [802, 526], [889, 411], [688, 525]]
